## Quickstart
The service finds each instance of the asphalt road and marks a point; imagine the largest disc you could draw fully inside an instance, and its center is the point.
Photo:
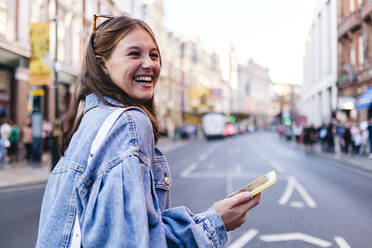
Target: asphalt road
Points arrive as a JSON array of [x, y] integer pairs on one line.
[[315, 203]]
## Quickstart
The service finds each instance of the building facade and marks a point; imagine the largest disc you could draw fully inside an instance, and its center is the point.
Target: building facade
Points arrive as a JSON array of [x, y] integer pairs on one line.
[[15, 52], [190, 84], [253, 93], [354, 28], [319, 91]]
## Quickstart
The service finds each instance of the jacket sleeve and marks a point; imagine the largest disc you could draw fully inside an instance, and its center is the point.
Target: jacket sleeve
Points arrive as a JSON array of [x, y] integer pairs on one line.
[[185, 229], [116, 214]]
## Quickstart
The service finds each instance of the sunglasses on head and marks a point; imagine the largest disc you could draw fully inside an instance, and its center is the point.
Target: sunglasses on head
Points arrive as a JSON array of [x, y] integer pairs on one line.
[[96, 17]]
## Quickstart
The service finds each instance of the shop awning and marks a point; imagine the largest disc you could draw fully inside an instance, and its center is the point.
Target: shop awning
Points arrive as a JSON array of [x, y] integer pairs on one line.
[[365, 100]]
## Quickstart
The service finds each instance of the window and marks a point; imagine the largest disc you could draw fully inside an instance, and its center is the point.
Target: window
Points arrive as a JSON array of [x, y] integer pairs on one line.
[[360, 2], [352, 53], [351, 6], [3, 16], [360, 51]]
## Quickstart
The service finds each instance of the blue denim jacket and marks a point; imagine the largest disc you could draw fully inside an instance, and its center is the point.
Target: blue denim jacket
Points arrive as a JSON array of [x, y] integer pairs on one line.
[[122, 197]]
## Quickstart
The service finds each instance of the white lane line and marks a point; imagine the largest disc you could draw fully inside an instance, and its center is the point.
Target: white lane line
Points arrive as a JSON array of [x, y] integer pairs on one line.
[[341, 242], [245, 238], [295, 236], [203, 157], [294, 184], [189, 169]]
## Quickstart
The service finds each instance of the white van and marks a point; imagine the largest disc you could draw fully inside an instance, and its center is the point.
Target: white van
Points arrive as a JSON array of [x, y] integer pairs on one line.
[[213, 125]]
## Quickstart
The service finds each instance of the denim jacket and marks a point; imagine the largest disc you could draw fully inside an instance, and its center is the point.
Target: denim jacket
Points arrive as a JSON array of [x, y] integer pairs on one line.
[[122, 196]]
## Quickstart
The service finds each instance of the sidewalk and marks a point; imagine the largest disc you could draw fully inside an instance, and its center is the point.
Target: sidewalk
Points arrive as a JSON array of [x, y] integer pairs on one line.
[[359, 162], [23, 174]]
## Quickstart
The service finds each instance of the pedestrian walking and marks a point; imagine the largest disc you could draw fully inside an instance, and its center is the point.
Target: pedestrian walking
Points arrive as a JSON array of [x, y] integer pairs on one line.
[[46, 134], [369, 128], [330, 137], [4, 142], [3, 154], [14, 141], [347, 139], [364, 133], [119, 197], [27, 139], [297, 130]]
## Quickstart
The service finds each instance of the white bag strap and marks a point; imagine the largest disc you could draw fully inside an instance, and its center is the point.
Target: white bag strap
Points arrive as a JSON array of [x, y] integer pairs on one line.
[[98, 140]]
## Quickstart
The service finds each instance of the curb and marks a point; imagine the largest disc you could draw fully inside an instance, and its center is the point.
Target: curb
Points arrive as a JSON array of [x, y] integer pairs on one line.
[[20, 186]]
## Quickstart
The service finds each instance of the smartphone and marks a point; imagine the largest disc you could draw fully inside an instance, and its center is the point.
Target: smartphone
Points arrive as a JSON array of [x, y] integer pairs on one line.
[[258, 185]]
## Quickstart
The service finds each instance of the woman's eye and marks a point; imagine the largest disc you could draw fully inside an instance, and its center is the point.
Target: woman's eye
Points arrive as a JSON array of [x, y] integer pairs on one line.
[[134, 53], [154, 55]]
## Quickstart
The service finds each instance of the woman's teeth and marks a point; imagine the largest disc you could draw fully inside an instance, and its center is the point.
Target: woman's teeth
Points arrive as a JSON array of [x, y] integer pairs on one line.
[[143, 79]]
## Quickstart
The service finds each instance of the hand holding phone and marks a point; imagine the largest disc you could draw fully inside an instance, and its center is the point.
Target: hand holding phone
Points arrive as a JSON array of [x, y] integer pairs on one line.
[[233, 210]]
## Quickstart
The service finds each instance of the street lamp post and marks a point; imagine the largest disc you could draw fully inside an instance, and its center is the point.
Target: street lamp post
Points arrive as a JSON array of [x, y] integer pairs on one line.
[[56, 125]]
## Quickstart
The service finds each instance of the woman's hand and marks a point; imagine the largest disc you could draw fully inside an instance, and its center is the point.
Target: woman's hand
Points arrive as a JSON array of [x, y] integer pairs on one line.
[[233, 210]]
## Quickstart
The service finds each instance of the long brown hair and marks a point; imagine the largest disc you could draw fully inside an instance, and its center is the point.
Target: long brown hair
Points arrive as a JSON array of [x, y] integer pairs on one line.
[[92, 78]]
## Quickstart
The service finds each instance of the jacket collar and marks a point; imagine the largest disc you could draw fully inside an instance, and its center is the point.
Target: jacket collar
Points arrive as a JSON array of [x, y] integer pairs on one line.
[[92, 101]]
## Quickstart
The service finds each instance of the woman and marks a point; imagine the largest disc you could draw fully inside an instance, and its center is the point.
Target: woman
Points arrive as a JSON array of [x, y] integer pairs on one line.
[[122, 197]]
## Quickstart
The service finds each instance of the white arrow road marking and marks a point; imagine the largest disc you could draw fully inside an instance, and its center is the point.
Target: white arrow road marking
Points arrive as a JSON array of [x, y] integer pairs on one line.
[[245, 238], [188, 170], [296, 204], [295, 236], [294, 184], [203, 157], [341, 242]]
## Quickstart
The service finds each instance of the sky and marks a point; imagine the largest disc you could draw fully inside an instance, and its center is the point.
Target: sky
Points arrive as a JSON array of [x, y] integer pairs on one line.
[[271, 32]]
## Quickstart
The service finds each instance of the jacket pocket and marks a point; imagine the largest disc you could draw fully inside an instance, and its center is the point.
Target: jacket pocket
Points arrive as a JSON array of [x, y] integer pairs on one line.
[[161, 173], [162, 180]]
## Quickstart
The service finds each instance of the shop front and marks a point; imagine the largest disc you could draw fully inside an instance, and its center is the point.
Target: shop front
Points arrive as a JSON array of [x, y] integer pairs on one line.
[[364, 104]]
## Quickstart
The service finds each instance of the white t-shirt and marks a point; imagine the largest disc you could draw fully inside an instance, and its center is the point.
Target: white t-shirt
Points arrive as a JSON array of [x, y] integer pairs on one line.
[[5, 131]]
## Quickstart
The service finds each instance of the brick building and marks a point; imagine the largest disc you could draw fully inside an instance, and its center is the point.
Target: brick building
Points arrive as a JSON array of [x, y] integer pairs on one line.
[[354, 60]]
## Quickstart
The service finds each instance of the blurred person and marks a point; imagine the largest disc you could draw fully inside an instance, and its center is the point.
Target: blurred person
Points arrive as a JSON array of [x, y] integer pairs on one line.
[[121, 197], [14, 141], [4, 142], [364, 134], [347, 139], [297, 130], [3, 155], [369, 128], [330, 137], [5, 129], [323, 137], [46, 134], [27, 138], [356, 138], [313, 137], [339, 139]]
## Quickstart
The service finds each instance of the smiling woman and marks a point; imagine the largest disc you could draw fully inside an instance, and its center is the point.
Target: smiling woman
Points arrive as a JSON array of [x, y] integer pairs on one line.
[[111, 186]]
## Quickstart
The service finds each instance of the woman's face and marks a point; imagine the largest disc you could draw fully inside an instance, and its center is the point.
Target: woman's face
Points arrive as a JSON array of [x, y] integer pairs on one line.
[[134, 65]]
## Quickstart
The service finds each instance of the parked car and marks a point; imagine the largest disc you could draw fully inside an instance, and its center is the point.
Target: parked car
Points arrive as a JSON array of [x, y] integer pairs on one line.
[[230, 129]]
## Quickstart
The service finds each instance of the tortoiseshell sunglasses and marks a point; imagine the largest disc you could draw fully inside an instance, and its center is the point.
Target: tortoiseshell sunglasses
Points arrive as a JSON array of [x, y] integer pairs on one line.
[[95, 20]]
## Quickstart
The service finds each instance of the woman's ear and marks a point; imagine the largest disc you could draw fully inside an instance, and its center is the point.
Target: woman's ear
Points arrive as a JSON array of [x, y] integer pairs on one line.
[[102, 64]]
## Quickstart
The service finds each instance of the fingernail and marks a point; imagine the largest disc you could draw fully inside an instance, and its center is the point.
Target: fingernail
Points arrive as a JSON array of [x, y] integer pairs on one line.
[[248, 196]]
